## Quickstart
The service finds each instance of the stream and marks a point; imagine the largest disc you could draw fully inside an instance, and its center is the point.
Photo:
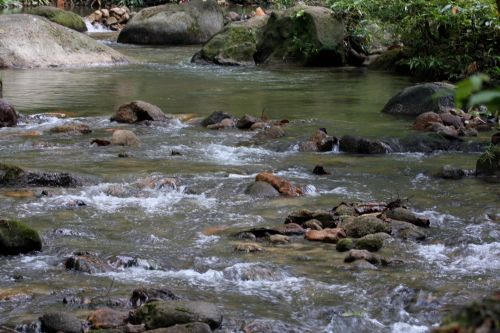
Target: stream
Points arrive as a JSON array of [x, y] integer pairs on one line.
[[300, 287]]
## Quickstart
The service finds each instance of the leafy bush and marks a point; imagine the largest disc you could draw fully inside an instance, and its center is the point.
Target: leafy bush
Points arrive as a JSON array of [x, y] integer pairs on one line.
[[442, 39]]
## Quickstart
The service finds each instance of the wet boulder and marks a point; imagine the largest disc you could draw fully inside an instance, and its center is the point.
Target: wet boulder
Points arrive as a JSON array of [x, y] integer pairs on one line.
[[53, 46], [184, 328], [426, 119], [193, 22], [225, 123], [357, 145], [327, 218], [441, 139], [305, 35], [452, 172], [289, 229], [364, 225], [374, 259], [159, 314], [144, 294], [106, 318], [262, 190], [283, 186], [215, 118], [125, 138], [137, 111], [86, 262], [320, 141], [270, 133], [8, 116], [327, 235], [54, 322], [246, 122], [407, 231], [13, 176], [235, 45], [403, 214], [17, 237], [371, 242], [488, 163], [427, 97], [60, 16]]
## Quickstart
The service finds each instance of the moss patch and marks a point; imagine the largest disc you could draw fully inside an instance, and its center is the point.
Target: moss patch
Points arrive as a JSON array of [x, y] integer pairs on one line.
[[62, 17], [17, 237]]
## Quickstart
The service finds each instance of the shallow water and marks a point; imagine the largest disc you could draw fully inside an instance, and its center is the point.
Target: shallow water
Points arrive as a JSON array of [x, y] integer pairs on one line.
[[305, 287]]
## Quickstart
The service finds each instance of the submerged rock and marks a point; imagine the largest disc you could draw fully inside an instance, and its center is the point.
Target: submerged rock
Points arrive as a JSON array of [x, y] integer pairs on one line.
[[54, 45], [160, 314], [60, 16], [137, 111], [270, 133], [17, 237], [193, 22], [105, 318], [185, 328], [55, 322], [327, 219], [144, 294], [248, 247], [371, 242], [18, 177], [75, 128], [372, 258], [306, 35], [8, 116], [452, 172], [327, 235], [415, 100], [405, 230]]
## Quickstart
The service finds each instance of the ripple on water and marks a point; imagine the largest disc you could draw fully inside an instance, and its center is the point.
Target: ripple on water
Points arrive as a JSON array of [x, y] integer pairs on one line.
[[151, 201], [469, 260]]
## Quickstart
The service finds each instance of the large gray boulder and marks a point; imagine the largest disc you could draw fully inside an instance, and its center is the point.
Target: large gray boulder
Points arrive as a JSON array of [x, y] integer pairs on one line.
[[425, 97], [235, 45], [193, 22], [137, 111], [306, 35], [29, 41]]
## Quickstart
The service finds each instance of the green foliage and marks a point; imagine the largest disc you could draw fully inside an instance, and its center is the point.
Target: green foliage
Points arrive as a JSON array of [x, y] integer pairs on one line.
[[130, 3], [471, 93], [443, 38]]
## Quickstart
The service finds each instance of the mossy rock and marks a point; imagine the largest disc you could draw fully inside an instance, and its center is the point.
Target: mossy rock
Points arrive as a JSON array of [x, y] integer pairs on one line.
[[365, 225], [391, 60], [60, 16], [306, 35], [160, 314], [344, 244], [489, 162], [194, 22], [9, 174], [17, 237], [371, 242], [235, 45]]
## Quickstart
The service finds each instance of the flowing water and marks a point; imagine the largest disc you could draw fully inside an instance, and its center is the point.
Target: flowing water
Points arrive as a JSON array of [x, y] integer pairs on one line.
[[302, 287]]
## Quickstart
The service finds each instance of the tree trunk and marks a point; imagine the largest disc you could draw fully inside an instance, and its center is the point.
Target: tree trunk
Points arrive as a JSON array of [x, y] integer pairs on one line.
[[498, 6]]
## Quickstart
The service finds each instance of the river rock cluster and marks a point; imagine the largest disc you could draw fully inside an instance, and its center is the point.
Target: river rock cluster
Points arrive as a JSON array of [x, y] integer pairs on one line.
[[114, 18], [358, 228]]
